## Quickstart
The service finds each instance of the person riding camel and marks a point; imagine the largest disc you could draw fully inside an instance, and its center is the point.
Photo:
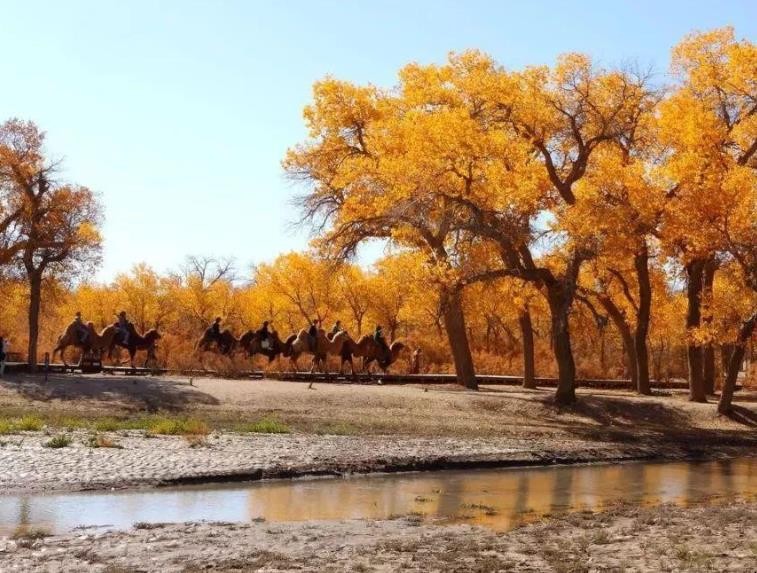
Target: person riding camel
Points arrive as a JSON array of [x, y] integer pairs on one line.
[[336, 329], [123, 328], [264, 335], [82, 332], [313, 334], [378, 336], [215, 328]]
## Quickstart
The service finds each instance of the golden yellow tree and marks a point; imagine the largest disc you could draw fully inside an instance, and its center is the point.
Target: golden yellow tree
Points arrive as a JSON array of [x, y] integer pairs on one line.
[[709, 126]]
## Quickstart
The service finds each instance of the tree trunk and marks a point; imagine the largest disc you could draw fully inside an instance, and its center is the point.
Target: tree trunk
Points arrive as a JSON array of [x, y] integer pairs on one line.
[[694, 270], [641, 262], [708, 369], [619, 319], [559, 306], [734, 364], [454, 323], [529, 363], [35, 300]]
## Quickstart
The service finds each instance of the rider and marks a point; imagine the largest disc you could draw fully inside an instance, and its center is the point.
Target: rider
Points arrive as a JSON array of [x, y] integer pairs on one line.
[[378, 336], [215, 328], [123, 327], [81, 329], [264, 334], [337, 328], [313, 333]]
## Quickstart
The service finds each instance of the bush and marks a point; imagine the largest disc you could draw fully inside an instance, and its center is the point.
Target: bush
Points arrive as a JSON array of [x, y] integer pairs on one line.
[[59, 441]]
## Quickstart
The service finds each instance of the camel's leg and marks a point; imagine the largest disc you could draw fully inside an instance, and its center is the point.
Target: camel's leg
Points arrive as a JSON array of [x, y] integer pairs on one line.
[[62, 351]]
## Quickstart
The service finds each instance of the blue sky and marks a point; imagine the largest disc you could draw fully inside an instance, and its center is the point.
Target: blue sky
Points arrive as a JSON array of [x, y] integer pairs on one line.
[[179, 112]]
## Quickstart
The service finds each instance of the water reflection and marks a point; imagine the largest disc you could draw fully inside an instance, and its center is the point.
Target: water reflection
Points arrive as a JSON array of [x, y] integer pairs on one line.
[[497, 498]]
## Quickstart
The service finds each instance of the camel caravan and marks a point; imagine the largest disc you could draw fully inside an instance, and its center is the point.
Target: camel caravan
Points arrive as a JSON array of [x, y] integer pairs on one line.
[[120, 334], [313, 341]]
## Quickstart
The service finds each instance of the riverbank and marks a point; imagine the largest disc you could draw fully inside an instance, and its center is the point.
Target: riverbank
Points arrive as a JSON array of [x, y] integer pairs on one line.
[[116, 460], [624, 538], [112, 430]]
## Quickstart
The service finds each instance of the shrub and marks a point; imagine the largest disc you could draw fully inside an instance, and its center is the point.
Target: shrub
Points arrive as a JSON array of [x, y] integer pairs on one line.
[[59, 441]]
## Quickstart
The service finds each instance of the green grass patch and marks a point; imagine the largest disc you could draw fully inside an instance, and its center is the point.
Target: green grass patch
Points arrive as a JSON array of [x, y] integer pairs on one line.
[[264, 426], [337, 429], [179, 427], [59, 441], [30, 423]]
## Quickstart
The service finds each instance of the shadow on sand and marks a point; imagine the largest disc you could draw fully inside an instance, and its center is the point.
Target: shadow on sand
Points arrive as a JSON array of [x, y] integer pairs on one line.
[[140, 393]]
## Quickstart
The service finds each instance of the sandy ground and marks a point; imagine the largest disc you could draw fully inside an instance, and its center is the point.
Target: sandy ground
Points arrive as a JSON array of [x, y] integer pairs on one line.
[[383, 429], [362, 409], [667, 538]]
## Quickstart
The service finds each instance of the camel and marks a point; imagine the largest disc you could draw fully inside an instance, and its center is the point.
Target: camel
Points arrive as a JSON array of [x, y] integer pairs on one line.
[[299, 344], [136, 342], [252, 343], [370, 351], [226, 342], [70, 337]]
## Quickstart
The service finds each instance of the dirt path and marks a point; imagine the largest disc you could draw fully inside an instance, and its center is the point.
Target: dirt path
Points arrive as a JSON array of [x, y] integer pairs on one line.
[[667, 538]]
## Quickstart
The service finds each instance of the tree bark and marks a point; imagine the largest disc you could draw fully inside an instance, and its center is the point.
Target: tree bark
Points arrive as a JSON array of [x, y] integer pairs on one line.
[[734, 364], [559, 305], [529, 363], [454, 323], [619, 319], [641, 263], [35, 301], [708, 352], [694, 271]]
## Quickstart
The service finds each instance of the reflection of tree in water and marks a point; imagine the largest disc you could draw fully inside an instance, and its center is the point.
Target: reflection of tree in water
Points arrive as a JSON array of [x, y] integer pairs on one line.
[[562, 490], [636, 487], [24, 511], [698, 481], [521, 501], [724, 469]]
